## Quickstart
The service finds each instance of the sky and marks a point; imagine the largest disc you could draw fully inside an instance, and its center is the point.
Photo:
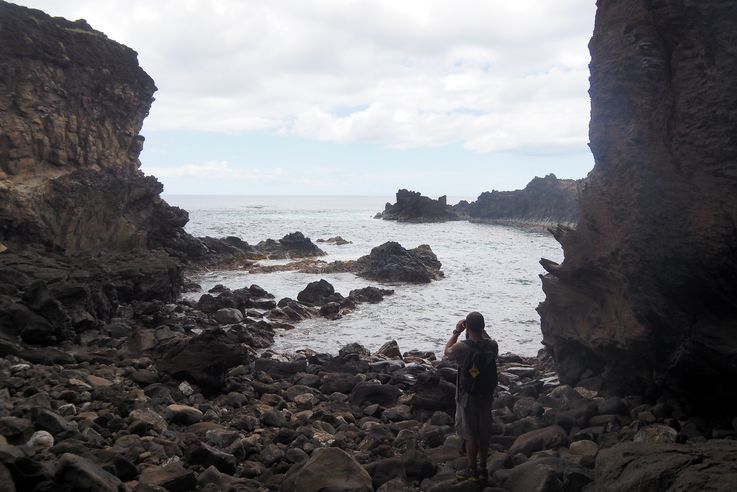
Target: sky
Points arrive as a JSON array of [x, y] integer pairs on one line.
[[348, 97]]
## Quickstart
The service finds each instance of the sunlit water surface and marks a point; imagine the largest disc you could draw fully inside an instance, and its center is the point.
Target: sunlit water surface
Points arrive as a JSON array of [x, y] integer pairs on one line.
[[488, 268]]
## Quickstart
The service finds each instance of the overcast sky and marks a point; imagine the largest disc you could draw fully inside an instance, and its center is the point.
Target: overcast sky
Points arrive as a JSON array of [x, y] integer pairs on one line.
[[356, 97]]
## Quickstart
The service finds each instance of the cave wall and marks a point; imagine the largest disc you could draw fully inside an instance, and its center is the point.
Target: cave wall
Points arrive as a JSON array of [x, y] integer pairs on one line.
[[72, 103], [646, 297]]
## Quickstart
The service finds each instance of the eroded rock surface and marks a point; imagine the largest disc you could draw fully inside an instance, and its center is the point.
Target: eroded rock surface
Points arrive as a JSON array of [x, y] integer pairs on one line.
[[645, 296]]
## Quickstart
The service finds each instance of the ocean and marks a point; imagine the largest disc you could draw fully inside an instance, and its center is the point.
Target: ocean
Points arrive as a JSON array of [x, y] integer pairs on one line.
[[488, 268]]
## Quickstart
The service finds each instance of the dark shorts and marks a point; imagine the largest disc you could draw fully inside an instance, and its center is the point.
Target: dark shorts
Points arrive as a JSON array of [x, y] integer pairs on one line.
[[473, 418]]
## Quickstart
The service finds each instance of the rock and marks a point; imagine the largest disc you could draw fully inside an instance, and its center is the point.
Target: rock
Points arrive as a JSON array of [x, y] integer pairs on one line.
[[73, 472], [183, 414], [369, 294], [544, 201], [354, 348], [50, 421], [228, 316], [172, 477], [538, 478], [280, 369], [711, 465], [382, 471], [339, 382], [656, 433], [274, 418], [638, 269], [40, 440], [203, 359], [382, 394], [293, 245], [546, 438], [390, 262], [337, 240], [584, 448], [411, 206], [318, 293], [390, 350], [433, 393], [328, 469], [201, 454]]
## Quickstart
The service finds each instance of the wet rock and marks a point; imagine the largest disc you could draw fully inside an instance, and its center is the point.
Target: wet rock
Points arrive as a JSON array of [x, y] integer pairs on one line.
[[339, 382], [354, 348], [547, 438], [390, 350], [280, 369], [371, 295], [318, 293], [390, 262], [228, 316], [328, 469]]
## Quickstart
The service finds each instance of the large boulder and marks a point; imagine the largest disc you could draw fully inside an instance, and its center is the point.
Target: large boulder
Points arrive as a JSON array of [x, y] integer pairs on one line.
[[318, 293], [204, 359], [390, 262], [639, 467], [645, 296], [411, 206], [328, 469]]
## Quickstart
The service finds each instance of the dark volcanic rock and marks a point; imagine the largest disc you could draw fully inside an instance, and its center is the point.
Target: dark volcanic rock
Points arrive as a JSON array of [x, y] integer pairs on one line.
[[646, 294], [413, 207], [293, 245], [318, 293], [203, 359], [547, 200], [390, 262]]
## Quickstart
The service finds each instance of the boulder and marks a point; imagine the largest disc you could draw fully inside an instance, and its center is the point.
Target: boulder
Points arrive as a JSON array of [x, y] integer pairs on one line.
[[328, 469], [228, 316], [172, 477], [628, 466], [372, 295], [550, 437], [203, 359], [318, 293], [382, 394], [390, 350], [390, 262]]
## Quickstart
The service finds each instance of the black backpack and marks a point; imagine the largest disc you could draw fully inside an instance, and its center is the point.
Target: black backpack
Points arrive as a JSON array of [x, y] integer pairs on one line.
[[477, 374]]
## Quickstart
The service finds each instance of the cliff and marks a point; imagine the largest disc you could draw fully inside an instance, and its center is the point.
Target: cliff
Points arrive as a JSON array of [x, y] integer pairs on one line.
[[544, 201], [72, 103], [644, 301], [547, 200]]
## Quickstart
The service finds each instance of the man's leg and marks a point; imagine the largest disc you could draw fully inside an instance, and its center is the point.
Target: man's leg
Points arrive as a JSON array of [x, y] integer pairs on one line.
[[483, 452], [472, 449]]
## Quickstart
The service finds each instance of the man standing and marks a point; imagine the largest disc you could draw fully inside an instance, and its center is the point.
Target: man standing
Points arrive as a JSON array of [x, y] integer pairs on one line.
[[477, 378]]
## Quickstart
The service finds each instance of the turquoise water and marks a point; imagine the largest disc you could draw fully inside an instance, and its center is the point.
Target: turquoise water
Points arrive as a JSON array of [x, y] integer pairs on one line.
[[488, 268]]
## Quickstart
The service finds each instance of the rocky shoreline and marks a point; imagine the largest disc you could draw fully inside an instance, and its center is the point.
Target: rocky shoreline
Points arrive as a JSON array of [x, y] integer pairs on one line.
[[544, 202]]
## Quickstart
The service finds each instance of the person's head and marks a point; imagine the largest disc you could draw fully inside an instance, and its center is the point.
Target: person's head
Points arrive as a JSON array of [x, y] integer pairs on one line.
[[475, 322]]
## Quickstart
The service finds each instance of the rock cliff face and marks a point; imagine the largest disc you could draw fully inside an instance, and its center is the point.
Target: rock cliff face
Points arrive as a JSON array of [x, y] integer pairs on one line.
[[544, 201], [547, 200], [72, 103], [646, 294]]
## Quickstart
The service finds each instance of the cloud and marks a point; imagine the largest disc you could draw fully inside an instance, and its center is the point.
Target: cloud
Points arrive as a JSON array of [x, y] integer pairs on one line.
[[216, 171], [488, 74]]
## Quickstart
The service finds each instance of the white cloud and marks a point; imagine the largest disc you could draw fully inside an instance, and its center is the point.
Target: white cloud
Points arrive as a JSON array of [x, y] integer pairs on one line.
[[218, 171], [489, 74]]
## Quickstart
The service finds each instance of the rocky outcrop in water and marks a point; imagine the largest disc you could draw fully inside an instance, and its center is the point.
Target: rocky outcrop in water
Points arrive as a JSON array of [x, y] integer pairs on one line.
[[411, 206], [547, 200], [644, 300], [544, 201]]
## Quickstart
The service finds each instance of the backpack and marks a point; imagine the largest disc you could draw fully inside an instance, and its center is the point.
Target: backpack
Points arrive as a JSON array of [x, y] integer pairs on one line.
[[477, 374]]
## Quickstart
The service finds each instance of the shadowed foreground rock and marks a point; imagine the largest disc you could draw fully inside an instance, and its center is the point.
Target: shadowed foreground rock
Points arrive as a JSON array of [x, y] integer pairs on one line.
[[645, 298]]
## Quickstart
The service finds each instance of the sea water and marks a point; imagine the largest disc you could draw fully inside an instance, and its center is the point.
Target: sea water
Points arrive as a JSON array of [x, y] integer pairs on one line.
[[489, 268]]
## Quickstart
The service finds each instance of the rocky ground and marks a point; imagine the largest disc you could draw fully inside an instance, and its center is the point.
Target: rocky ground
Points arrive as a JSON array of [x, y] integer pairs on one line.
[[144, 404]]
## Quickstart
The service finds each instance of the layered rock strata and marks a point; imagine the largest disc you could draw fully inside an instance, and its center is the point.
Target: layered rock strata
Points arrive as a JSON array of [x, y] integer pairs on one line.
[[645, 298]]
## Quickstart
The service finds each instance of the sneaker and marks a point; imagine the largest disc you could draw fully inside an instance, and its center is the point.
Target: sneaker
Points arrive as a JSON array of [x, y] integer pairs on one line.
[[483, 476], [468, 474]]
